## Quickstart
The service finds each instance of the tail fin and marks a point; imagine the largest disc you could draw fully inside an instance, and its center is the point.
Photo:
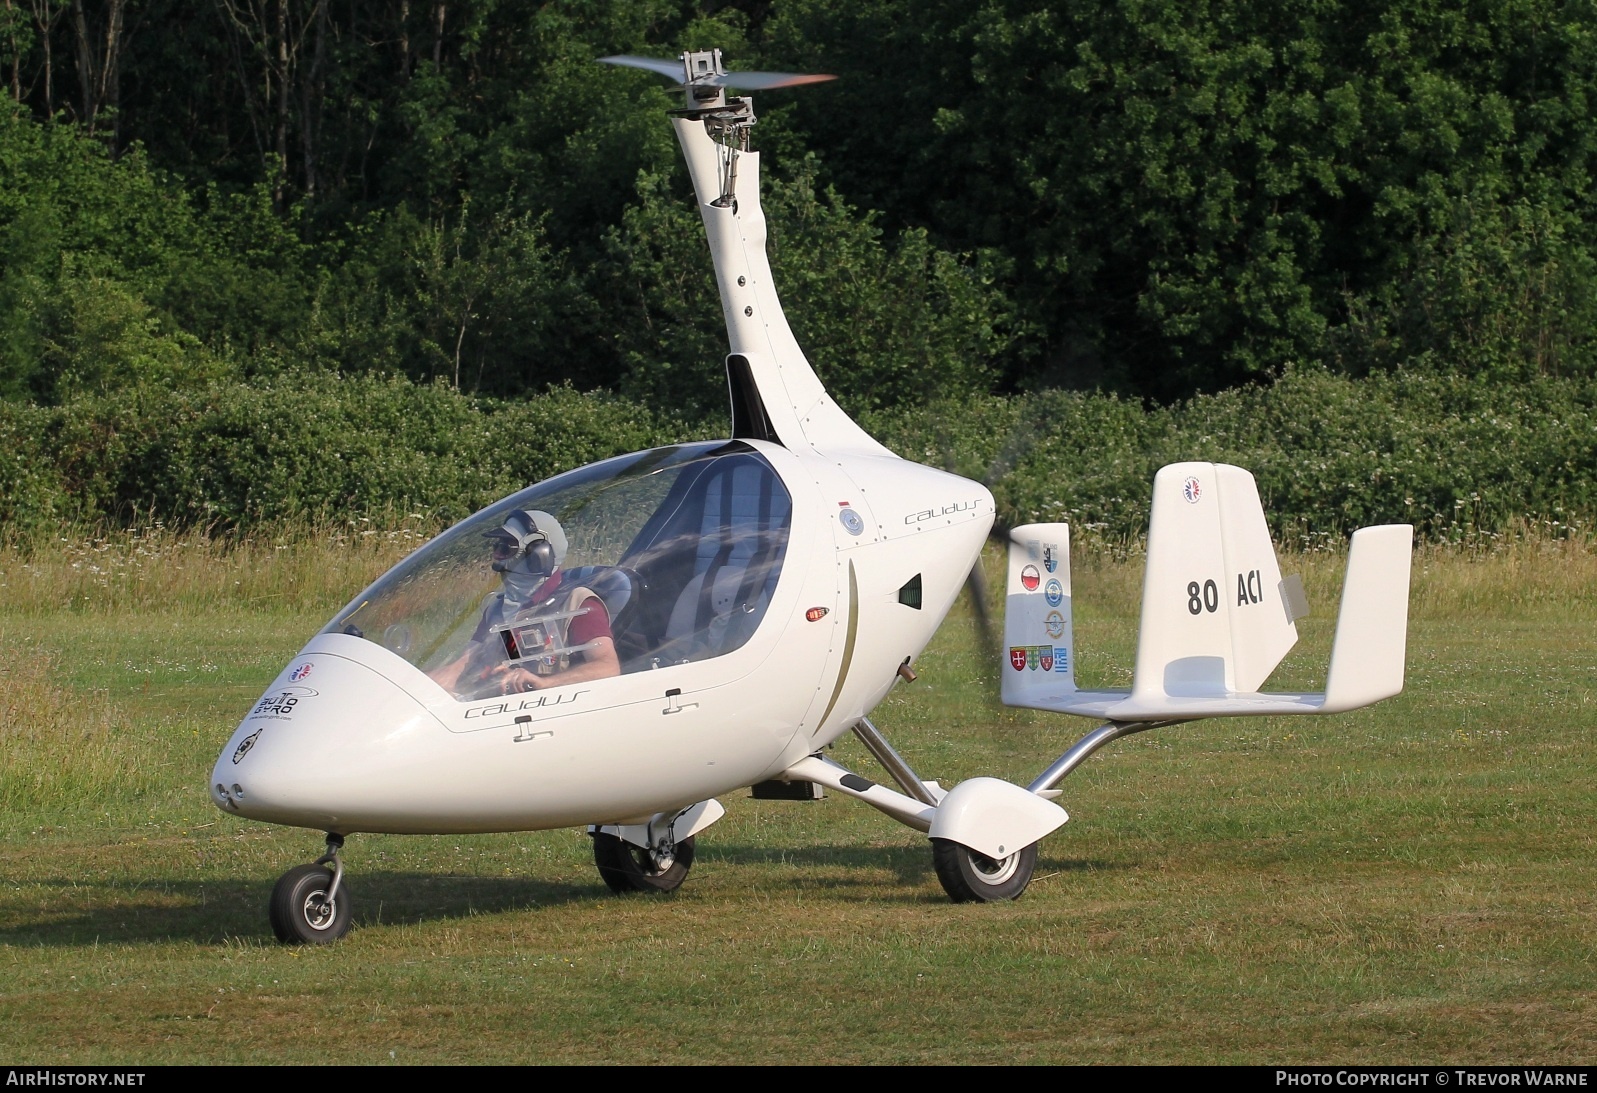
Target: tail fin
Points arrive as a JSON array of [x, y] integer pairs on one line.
[[1215, 619], [1039, 640]]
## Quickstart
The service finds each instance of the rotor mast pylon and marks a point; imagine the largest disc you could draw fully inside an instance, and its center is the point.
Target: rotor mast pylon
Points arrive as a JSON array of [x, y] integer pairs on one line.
[[713, 129]]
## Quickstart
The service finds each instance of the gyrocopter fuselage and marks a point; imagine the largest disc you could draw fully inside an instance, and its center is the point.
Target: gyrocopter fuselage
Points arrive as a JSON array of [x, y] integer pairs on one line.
[[620, 644]]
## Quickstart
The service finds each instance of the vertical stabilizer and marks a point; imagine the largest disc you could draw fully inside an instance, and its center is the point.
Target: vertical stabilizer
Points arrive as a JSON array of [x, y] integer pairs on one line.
[[1039, 639], [1214, 620], [1263, 627]]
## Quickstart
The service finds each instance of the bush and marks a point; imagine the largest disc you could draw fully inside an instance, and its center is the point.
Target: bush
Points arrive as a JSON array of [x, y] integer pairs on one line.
[[112, 275], [1453, 455], [301, 446], [33, 493]]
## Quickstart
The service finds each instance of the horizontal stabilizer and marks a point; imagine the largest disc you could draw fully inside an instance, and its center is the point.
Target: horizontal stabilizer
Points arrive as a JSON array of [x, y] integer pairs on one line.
[[1217, 617]]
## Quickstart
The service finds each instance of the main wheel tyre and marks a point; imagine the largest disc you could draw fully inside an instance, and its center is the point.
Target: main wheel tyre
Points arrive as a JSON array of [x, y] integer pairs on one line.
[[627, 868], [971, 877], [299, 909]]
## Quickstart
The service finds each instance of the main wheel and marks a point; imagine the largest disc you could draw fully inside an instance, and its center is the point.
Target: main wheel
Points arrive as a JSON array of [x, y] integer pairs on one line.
[[971, 877], [627, 868], [300, 912]]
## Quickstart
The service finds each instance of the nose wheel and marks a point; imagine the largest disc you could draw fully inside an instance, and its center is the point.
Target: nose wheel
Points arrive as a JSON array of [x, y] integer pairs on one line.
[[309, 904]]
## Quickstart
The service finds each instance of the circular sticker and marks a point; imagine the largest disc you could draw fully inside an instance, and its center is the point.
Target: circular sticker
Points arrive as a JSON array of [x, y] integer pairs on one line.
[[1192, 490], [1030, 578], [1054, 593], [1055, 625], [853, 523]]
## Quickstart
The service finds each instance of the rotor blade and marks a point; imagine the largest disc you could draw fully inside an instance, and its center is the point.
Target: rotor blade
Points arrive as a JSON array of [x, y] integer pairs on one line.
[[765, 81], [748, 81], [673, 69]]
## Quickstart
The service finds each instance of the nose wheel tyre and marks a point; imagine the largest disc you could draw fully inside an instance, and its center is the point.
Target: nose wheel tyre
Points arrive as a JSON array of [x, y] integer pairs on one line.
[[300, 911], [627, 868], [972, 877]]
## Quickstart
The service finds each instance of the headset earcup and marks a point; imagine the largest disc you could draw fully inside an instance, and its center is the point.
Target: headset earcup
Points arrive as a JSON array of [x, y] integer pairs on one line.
[[541, 552]]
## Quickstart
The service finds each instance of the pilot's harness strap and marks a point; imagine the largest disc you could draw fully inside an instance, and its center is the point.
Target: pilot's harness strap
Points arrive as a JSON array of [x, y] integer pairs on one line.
[[555, 654]]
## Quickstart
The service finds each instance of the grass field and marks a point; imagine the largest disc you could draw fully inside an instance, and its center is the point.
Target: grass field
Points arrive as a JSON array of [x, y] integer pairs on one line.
[[1409, 883]]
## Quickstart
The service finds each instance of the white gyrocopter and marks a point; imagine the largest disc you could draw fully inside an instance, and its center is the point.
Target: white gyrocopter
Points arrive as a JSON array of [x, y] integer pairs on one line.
[[620, 644]]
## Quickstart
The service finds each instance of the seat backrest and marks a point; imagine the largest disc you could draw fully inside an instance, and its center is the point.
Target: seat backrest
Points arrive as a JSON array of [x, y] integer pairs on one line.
[[614, 585], [709, 568], [708, 617]]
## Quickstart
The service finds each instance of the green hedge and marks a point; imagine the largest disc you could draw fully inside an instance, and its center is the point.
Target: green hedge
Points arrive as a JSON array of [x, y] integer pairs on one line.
[[1452, 455], [305, 447]]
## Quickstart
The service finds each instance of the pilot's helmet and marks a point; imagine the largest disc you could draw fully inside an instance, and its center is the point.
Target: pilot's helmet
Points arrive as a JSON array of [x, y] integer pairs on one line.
[[531, 542]]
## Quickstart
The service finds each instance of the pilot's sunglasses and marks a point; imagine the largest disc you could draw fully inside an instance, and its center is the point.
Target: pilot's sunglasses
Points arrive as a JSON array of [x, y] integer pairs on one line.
[[504, 548]]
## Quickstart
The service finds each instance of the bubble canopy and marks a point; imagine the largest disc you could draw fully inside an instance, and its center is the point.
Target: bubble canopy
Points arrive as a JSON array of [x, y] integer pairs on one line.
[[684, 546]]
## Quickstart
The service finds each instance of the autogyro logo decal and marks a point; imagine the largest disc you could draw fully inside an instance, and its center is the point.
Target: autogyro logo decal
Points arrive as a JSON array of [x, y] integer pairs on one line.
[[245, 745], [281, 703]]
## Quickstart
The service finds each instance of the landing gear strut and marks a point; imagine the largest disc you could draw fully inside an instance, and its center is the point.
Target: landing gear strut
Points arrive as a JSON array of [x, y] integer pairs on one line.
[[309, 904]]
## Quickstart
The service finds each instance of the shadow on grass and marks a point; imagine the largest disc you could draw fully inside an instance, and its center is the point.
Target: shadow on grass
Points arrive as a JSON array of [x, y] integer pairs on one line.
[[71, 912], [910, 865]]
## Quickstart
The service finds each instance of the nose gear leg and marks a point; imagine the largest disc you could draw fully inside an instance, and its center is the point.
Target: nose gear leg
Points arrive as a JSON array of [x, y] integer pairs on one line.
[[335, 843]]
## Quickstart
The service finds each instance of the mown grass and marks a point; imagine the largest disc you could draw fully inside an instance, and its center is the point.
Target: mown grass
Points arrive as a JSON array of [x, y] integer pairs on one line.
[[1408, 883]]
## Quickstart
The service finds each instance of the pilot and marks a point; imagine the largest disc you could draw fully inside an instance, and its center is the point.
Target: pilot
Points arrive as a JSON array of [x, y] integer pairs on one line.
[[538, 631]]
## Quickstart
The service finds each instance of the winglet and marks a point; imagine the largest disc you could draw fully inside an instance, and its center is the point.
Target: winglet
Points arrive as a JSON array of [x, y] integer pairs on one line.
[[1367, 659]]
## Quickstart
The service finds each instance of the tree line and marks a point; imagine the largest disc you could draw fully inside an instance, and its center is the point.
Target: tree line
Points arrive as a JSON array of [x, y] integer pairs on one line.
[[1151, 198]]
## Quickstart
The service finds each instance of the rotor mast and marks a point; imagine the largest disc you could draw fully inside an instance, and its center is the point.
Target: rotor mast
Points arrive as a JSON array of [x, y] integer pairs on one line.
[[775, 392]]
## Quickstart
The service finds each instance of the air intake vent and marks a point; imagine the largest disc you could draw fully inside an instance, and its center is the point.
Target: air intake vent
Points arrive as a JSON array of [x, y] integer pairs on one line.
[[909, 595]]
